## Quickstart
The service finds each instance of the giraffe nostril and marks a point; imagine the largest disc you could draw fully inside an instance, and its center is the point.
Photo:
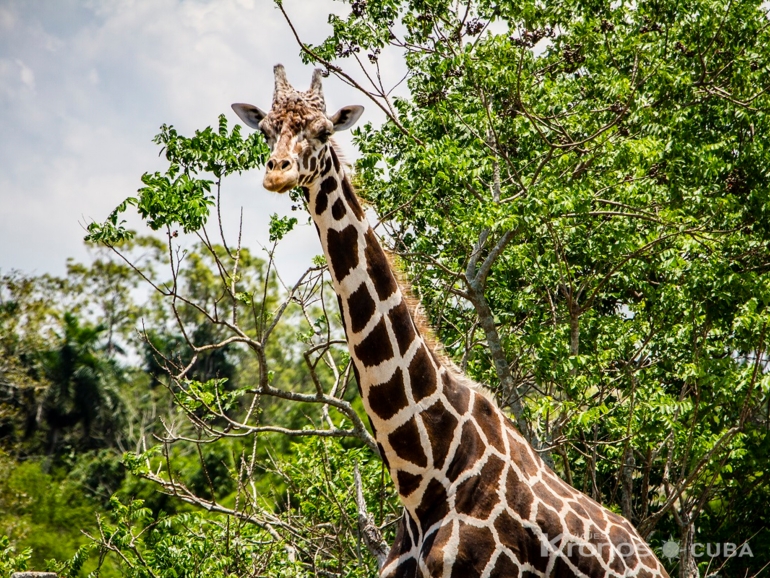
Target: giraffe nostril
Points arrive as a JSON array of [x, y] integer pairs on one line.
[[285, 165], [270, 165]]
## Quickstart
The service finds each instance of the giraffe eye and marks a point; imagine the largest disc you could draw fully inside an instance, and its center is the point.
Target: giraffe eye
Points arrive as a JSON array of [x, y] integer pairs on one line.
[[324, 134]]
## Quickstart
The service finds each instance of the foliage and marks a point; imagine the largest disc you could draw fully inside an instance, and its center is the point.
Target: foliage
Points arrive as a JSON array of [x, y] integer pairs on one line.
[[44, 511], [315, 531], [179, 197], [10, 561]]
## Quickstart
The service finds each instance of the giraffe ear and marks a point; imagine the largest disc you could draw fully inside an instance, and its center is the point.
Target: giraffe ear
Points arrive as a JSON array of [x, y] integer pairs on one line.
[[346, 117], [249, 114]]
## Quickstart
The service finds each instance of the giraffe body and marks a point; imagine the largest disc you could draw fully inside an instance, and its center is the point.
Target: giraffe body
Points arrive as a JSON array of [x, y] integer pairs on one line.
[[478, 500]]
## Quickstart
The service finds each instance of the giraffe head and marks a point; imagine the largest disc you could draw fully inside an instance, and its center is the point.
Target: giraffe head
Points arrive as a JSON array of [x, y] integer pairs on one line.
[[297, 130]]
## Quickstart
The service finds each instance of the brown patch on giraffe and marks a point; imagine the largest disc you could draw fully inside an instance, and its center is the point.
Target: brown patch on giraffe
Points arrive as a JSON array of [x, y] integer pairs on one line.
[[434, 505], [620, 521], [645, 574], [549, 521], [561, 568], [404, 442], [518, 494], [584, 558], [328, 185], [378, 267], [602, 543], [544, 494], [512, 534], [617, 564], [560, 487], [579, 510], [406, 569], [619, 537], [473, 552], [327, 166], [477, 496], [487, 416], [343, 251], [630, 557], [574, 524], [519, 452], [646, 557], [427, 543], [422, 374], [534, 554], [305, 193], [432, 550], [471, 449], [505, 568], [338, 209], [403, 327], [388, 398], [335, 158], [595, 512], [306, 157], [361, 307], [406, 542], [313, 164], [375, 347], [407, 483], [457, 395], [440, 425]]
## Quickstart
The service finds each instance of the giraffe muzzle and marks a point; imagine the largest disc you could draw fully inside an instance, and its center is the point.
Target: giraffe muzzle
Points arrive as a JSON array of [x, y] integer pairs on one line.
[[281, 175]]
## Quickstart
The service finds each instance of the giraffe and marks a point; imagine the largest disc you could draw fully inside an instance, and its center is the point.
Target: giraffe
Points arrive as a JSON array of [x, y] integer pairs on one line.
[[478, 500]]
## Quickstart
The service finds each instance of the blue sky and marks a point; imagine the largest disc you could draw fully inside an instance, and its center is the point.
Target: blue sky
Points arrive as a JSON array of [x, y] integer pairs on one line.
[[84, 86]]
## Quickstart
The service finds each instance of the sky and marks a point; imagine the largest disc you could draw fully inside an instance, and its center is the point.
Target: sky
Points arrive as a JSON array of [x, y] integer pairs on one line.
[[85, 85]]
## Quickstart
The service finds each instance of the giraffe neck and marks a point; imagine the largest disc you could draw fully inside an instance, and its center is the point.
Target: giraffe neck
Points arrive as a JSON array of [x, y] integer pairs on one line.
[[397, 373]]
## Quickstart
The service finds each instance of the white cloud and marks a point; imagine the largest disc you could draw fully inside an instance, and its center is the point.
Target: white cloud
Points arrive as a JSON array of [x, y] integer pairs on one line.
[[26, 75]]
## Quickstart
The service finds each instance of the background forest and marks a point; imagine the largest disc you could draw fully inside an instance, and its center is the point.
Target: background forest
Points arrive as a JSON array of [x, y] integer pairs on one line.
[[578, 193]]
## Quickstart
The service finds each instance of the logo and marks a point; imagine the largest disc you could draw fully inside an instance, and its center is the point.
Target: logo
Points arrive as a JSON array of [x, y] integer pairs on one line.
[[670, 549]]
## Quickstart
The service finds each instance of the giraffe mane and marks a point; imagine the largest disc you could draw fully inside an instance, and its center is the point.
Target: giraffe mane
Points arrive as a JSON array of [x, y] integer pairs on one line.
[[340, 153], [425, 329], [429, 336]]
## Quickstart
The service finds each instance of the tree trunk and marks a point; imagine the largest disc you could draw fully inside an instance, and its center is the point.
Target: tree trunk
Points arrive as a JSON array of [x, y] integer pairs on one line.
[[627, 482], [687, 566]]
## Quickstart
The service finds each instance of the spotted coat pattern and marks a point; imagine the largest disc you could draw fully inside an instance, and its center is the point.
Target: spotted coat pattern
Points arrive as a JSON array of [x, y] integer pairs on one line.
[[478, 501]]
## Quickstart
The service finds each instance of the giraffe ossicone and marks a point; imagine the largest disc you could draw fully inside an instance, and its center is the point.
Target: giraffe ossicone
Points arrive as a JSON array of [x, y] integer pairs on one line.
[[478, 500]]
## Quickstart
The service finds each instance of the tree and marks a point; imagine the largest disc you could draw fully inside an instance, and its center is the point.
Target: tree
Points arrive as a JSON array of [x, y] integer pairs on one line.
[[24, 317], [80, 391]]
